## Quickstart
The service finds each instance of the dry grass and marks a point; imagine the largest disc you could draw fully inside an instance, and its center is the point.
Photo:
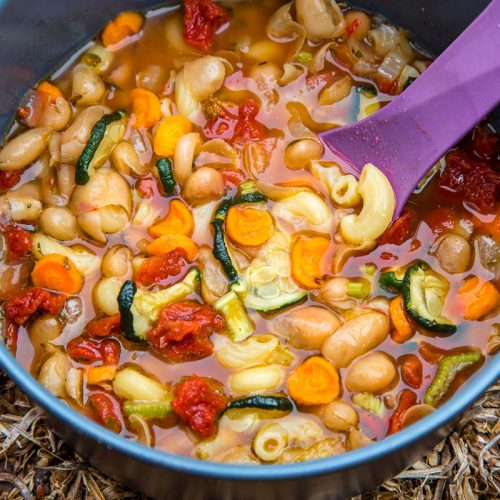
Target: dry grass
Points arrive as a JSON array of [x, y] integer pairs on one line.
[[36, 463]]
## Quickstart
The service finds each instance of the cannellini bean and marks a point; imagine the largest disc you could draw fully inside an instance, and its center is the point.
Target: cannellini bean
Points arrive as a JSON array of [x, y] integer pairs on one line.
[[265, 50], [75, 137], [53, 373], [363, 21], [43, 330], [105, 295], [55, 149], [50, 194], [339, 416], [66, 179], [88, 87], [184, 154], [117, 261], [24, 148], [74, 384], [126, 160], [20, 207], [333, 293], [59, 223], [266, 74], [415, 413], [299, 153], [255, 380], [322, 19], [355, 338], [308, 327], [453, 253], [372, 373], [56, 115], [358, 439], [204, 76], [204, 185]]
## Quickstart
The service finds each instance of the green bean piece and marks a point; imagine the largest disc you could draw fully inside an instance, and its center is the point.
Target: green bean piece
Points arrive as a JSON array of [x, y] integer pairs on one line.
[[148, 409], [449, 367]]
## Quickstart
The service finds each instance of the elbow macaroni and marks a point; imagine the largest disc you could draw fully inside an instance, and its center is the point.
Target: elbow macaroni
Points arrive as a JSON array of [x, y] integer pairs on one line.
[[378, 208], [344, 191], [270, 442]]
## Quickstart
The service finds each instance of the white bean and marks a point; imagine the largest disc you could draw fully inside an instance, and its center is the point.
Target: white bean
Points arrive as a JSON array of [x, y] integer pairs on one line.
[[19, 207], [355, 338], [117, 261], [43, 330], [24, 148], [56, 115], [105, 295], [184, 154], [339, 416], [204, 185], [299, 153], [453, 253], [88, 88], [255, 380], [59, 222], [53, 373], [372, 373]]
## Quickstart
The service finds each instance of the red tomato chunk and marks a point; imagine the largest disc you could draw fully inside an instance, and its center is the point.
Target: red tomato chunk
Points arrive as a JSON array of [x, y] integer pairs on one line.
[[9, 178], [108, 411], [159, 267], [90, 350], [247, 128], [21, 307], [18, 242], [202, 18], [104, 327], [401, 229], [406, 400], [471, 180], [198, 405], [183, 331]]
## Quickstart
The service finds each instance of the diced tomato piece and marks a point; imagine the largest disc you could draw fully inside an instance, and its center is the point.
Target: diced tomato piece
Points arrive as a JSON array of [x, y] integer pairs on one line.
[[232, 178], [10, 337], [21, 307], [90, 350], [202, 18], [107, 410], [199, 405], [248, 129], [406, 400], [467, 179], [159, 267], [18, 243], [104, 327], [145, 186], [431, 353], [411, 370], [9, 178], [352, 27], [441, 220], [485, 143], [401, 229], [221, 119], [183, 331]]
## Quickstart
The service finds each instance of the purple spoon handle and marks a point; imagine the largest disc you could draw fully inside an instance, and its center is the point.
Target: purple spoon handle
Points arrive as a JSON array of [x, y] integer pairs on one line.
[[408, 136]]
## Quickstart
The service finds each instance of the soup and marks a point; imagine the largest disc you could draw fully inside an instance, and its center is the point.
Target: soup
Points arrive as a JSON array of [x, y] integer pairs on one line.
[[184, 263]]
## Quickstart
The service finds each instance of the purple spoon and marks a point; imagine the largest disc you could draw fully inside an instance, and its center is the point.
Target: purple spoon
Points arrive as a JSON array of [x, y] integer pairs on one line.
[[408, 136]]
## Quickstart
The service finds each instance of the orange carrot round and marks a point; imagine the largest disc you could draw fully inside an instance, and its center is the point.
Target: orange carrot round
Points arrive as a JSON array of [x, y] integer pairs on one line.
[[171, 241], [146, 108], [249, 226], [402, 327], [124, 25], [57, 272], [478, 298], [179, 220], [308, 260], [315, 382]]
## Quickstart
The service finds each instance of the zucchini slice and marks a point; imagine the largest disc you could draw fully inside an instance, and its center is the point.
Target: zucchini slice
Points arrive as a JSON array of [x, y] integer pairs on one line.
[[103, 138], [264, 305], [424, 294], [164, 167], [391, 281], [265, 406], [238, 322], [140, 309]]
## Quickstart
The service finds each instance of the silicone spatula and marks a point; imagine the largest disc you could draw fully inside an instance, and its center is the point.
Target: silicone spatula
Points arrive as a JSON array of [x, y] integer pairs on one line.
[[408, 136]]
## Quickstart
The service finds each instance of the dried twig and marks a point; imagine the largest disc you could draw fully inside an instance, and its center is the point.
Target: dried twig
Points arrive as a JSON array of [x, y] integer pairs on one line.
[[35, 462]]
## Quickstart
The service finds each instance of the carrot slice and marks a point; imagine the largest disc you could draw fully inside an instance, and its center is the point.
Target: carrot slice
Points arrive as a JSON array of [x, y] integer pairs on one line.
[[179, 220], [171, 241], [249, 227], [314, 382], [124, 25], [478, 298], [308, 260], [146, 108], [57, 272], [403, 328], [51, 91], [169, 132], [100, 374]]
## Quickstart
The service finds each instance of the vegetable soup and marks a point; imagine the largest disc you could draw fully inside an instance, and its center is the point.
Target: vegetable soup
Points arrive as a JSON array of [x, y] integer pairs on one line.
[[184, 263]]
